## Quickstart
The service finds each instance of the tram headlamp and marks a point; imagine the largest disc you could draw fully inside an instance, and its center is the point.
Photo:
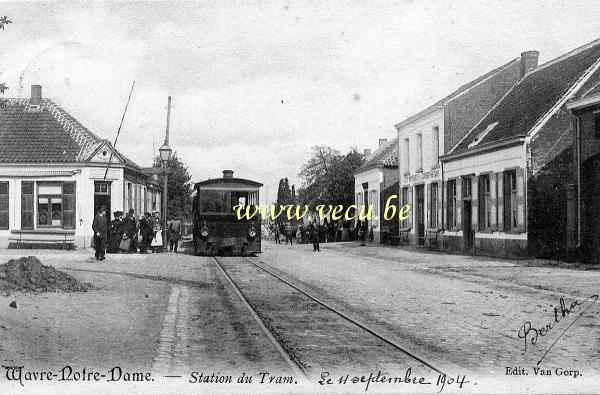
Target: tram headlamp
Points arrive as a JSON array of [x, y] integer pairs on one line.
[[204, 232], [252, 232]]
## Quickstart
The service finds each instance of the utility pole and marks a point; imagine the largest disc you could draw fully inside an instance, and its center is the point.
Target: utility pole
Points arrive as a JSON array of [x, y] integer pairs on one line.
[[165, 155]]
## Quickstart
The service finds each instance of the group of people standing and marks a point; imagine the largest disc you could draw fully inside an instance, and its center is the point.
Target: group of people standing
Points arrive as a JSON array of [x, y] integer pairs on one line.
[[311, 233], [121, 234], [315, 233]]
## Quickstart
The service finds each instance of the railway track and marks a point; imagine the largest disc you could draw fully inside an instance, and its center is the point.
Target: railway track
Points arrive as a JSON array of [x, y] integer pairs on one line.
[[312, 335]]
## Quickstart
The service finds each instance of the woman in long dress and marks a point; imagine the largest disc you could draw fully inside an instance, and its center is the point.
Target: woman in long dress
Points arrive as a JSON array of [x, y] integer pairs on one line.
[[115, 233], [157, 240]]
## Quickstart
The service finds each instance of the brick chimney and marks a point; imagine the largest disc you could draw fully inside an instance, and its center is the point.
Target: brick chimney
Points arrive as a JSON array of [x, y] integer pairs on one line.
[[382, 142], [36, 94], [227, 173], [367, 152], [529, 61]]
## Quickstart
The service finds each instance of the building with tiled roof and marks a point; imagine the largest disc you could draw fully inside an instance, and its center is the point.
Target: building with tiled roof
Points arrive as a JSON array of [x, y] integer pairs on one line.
[[375, 182], [584, 212], [509, 179], [55, 174], [425, 136]]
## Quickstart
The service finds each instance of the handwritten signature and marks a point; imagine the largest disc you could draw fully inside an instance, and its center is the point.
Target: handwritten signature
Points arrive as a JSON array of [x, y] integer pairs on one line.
[[528, 333]]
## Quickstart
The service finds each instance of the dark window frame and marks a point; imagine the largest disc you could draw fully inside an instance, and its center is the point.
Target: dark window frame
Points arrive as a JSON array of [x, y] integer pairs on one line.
[[27, 200], [4, 201], [511, 214], [485, 202], [50, 209], [433, 205], [451, 195], [404, 198]]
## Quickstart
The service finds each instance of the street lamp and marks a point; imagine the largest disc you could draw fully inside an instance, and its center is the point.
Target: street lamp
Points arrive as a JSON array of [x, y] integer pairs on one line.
[[165, 154]]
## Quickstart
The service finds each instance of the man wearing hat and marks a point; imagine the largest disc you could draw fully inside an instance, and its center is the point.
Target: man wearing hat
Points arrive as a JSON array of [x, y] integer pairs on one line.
[[100, 227], [130, 228], [146, 232]]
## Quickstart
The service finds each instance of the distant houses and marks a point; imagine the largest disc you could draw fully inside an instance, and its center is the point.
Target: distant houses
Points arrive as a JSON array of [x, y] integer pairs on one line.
[[375, 181], [55, 175], [513, 171], [509, 163]]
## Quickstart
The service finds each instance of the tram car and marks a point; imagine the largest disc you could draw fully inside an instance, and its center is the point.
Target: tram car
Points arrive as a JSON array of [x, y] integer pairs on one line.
[[216, 227]]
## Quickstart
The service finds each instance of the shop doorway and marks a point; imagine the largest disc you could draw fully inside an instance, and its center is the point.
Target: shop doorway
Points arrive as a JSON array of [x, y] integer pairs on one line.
[[102, 196], [420, 219]]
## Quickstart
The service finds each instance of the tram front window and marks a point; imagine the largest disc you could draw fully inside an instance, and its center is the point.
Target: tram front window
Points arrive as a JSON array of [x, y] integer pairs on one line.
[[238, 198], [212, 201]]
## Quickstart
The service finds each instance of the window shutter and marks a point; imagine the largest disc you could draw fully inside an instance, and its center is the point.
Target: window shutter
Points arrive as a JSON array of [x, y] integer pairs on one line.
[[440, 212], [521, 200], [69, 205], [507, 208], [445, 213], [4, 199], [499, 201], [495, 201], [481, 200], [459, 204], [474, 202], [410, 213], [27, 204], [136, 199], [428, 199]]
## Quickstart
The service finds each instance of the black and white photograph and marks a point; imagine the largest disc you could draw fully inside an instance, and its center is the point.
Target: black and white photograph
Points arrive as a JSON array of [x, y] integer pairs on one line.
[[294, 197]]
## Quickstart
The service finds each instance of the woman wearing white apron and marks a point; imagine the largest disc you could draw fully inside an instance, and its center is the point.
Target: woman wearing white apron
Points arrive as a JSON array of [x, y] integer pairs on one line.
[[157, 240]]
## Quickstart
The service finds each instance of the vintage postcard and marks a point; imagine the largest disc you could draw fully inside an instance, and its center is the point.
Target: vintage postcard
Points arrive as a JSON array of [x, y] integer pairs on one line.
[[300, 197]]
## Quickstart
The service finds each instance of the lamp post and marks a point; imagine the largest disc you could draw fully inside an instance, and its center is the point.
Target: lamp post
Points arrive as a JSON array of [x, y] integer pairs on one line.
[[165, 154]]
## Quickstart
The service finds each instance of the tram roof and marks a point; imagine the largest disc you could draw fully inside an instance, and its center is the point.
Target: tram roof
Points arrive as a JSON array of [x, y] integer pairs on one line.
[[228, 183]]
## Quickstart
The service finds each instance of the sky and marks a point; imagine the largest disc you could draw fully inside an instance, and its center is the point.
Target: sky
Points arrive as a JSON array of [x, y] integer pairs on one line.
[[256, 84]]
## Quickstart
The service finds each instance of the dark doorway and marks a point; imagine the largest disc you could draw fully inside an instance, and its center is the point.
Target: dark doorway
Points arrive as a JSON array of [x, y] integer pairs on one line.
[[102, 196], [468, 234], [420, 220], [590, 209], [366, 200]]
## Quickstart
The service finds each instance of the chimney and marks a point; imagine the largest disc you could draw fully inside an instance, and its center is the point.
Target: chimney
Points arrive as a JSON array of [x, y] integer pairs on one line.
[[36, 94], [227, 173], [367, 152], [382, 142], [529, 61]]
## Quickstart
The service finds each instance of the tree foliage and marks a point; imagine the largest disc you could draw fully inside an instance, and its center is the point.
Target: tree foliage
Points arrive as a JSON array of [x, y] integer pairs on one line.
[[179, 187], [285, 195], [327, 177], [3, 22]]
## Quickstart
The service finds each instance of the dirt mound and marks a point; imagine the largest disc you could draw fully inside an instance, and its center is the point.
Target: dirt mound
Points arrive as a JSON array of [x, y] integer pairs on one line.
[[29, 274]]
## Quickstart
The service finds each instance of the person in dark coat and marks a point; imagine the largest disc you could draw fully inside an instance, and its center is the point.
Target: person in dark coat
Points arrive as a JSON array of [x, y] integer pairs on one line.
[[276, 233], [314, 237], [288, 233], [363, 232], [100, 228], [130, 229], [174, 231], [146, 232], [115, 233]]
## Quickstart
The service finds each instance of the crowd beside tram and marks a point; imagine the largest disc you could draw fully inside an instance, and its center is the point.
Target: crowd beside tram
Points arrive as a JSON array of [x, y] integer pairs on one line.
[[300, 232], [130, 234]]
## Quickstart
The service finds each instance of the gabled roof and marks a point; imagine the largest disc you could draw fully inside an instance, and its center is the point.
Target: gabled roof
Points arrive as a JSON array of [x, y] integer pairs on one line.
[[534, 99], [440, 103], [589, 97], [46, 133], [384, 156]]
